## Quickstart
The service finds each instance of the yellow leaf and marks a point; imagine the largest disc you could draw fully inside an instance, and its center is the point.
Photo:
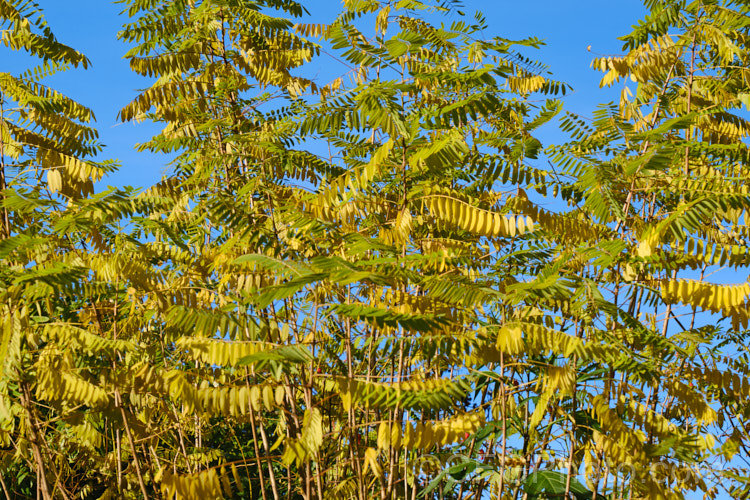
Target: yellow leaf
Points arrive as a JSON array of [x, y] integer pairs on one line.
[[371, 462], [54, 180], [645, 248]]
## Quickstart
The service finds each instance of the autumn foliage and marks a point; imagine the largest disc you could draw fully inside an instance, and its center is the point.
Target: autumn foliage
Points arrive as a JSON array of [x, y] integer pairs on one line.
[[380, 285]]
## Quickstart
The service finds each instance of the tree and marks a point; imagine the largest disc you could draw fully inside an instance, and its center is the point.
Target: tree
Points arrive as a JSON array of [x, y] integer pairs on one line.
[[46, 174], [342, 291], [352, 289], [671, 177]]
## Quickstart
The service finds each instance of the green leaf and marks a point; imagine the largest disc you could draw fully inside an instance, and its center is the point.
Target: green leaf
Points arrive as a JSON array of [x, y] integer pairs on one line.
[[289, 354], [553, 483]]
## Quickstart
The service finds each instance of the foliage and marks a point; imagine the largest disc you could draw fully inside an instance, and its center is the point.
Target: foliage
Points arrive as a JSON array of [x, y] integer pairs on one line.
[[48, 297], [342, 287]]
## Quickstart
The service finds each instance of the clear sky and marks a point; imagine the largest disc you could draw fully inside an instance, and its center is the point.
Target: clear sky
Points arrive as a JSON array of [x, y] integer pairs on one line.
[[91, 26]]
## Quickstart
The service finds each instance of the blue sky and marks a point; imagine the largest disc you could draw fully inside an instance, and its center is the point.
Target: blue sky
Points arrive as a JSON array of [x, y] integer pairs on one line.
[[91, 26]]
